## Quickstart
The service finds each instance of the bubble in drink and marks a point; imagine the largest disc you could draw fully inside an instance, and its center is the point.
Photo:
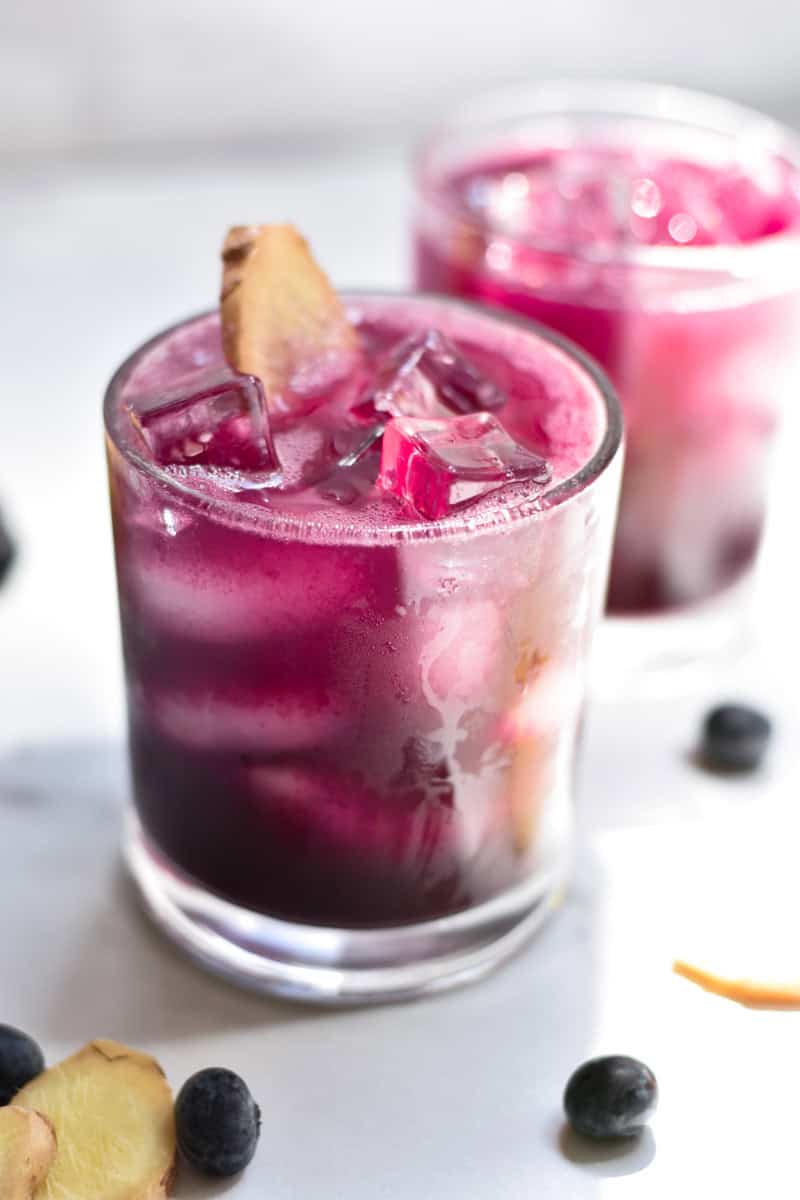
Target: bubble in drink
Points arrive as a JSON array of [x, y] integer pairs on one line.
[[426, 375]]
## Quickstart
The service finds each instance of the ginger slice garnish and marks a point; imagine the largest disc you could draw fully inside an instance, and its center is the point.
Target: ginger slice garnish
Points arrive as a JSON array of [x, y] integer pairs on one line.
[[27, 1150], [281, 318], [749, 992], [113, 1114]]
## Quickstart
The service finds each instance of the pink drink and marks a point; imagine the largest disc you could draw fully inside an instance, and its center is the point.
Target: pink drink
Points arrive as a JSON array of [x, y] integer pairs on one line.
[[668, 249], [344, 714]]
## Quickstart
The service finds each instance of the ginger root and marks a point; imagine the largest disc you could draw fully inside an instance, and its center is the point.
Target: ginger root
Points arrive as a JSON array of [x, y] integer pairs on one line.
[[752, 993], [27, 1150], [112, 1110], [281, 319]]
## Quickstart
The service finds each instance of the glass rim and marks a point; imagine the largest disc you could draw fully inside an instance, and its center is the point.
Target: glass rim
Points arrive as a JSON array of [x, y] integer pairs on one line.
[[457, 525], [619, 100]]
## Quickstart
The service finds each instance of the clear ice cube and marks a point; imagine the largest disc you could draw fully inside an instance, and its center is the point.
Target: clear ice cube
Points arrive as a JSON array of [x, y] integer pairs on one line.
[[426, 375], [215, 418], [436, 465], [564, 199]]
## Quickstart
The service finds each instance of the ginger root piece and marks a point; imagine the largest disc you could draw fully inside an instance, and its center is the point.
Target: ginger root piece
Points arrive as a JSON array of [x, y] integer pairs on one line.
[[749, 992], [27, 1150], [113, 1114], [281, 319]]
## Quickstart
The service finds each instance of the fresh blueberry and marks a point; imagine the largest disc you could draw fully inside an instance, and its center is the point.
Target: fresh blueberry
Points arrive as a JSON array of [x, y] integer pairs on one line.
[[611, 1097], [6, 551], [735, 738], [21, 1060], [217, 1122]]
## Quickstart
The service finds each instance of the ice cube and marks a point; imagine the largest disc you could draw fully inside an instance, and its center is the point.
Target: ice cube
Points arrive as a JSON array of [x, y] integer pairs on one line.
[[464, 649], [414, 824], [426, 375], [435, 465], [215, 418], [354, 449], [562, 199], [529, 201], [277, 720], [235, 588], [751, 203]]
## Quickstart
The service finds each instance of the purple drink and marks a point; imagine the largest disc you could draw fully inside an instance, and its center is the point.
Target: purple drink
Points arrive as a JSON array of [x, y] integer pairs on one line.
[[344, 714], [660, 231]]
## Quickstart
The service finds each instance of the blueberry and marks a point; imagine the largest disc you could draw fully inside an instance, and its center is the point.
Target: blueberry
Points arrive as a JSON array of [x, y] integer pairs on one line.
[[217, 1122], [611, 1097], [6, 551], [735, 737], [21, 1060]]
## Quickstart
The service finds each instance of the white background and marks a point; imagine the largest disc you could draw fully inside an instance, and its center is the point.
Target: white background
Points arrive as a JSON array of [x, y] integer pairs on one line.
[[104, 76]]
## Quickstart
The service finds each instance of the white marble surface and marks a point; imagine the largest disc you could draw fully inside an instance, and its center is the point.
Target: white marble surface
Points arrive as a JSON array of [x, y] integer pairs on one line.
[[456, 1097]]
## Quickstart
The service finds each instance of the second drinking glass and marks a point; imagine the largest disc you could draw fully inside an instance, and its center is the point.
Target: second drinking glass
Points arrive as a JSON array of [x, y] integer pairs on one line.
[[661, 231]]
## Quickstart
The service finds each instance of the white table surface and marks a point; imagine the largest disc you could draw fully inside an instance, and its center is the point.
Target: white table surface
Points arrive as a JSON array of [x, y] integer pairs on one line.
[[455, 1097]]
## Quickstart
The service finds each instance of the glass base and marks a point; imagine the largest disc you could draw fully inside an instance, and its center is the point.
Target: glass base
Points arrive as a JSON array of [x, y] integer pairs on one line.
[[336, 966], [667, 652]]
